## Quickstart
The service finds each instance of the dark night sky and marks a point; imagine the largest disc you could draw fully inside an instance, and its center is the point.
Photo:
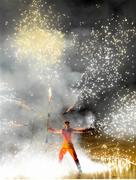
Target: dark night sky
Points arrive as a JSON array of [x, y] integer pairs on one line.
[[88, 11]]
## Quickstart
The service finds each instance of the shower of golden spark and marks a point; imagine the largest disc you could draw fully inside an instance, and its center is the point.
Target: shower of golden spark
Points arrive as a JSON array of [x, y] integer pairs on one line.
[[36, 39]]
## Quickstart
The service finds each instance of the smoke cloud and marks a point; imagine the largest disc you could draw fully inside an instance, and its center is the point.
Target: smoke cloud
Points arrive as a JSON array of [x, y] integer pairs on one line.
[[98, 62]]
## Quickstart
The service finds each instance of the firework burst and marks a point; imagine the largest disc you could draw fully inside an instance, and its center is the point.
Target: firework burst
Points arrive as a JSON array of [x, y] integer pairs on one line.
[[36, 38], [120, 121], [104, 53]]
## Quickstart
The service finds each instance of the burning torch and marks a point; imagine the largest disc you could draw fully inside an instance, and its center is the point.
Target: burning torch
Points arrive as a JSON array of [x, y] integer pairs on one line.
[[49, 105]]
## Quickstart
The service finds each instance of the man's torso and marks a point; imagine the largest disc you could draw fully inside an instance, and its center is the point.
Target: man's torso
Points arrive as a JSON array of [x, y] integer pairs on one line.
[[67, 138]]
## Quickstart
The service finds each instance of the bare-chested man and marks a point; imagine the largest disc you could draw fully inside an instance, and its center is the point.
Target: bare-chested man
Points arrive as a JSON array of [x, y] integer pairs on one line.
[[67, 144]]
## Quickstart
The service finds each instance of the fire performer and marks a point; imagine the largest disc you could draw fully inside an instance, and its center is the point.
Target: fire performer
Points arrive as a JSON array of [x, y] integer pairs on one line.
[[67, 145]]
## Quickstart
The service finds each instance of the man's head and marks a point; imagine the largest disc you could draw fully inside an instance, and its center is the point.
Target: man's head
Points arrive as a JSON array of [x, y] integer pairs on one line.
[[66, 124]]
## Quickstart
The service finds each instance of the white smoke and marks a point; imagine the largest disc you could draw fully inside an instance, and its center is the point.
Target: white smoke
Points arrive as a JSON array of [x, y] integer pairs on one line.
[[24, 112], [24, 99]]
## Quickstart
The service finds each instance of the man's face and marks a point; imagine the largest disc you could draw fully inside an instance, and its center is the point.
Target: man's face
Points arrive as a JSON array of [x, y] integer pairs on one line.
[[66, 125]]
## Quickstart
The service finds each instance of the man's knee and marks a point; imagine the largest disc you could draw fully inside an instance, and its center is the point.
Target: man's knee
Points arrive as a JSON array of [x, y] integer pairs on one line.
[[75, 157], [73, 154], [61, 154]]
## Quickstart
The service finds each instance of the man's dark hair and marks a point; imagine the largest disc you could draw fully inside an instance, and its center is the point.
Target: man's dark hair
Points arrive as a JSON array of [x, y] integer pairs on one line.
[[66, 122]]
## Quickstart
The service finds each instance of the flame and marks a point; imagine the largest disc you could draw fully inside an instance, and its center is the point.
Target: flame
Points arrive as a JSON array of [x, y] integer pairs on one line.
[[49, 94]]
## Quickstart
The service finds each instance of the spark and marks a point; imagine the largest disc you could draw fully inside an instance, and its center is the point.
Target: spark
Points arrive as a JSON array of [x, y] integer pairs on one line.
[[7, 94], [44, 165], [104, 53], [36, 39], [120, 122]]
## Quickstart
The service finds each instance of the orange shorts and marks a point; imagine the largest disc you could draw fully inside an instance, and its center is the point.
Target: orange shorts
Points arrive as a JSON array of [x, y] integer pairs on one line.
[[70, 149]]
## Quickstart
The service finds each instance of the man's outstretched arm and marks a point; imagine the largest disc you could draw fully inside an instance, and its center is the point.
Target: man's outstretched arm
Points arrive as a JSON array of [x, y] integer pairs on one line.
[[56, 131], [82, 130]]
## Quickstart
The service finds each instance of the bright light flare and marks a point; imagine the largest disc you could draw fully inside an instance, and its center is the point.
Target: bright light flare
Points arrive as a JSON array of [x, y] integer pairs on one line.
[[46, 166], [36, 39], [49, 94], [40, 44], [120, 122]]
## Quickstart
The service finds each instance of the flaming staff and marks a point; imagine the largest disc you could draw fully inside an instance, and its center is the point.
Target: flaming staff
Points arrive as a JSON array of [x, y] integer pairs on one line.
[[49, 111]]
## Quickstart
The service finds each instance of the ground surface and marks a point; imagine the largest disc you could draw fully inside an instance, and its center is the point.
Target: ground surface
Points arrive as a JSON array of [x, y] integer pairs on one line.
[[120, 154]]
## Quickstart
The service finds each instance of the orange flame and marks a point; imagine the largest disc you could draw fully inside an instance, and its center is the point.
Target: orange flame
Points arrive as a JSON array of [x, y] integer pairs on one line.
[[49, 94]]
